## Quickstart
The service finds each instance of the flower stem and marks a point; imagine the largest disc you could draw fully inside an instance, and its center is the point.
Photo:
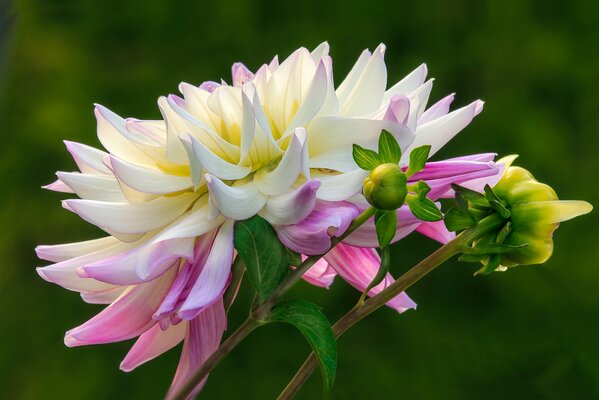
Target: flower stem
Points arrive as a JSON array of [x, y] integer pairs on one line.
[[260, 313], [362, 309]]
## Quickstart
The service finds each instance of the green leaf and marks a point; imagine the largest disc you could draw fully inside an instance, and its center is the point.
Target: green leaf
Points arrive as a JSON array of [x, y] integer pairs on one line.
[[386, 224], [456, 220], [471, 195], [424, 209], [263, 254], [365, 158], [418, 158], [308, 318], [389, 150], [383, 269], [490, 194]]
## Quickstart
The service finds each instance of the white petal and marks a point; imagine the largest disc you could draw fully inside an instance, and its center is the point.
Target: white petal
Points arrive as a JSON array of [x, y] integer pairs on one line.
[[312, 102], [62, 252], [408, 84], [340, 186], [248, 126], [346, 87], [367, 92], [235, 202], [116, 139], [214, 164], [320, 51], [132, 218], [284, 175], [418, 101], [331, 139], [87, 158], [292, 207], [440, 131], [148, 180], [93, 186]]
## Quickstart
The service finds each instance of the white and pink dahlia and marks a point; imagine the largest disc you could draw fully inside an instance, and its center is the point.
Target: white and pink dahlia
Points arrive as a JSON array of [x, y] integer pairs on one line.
[[277, 143]]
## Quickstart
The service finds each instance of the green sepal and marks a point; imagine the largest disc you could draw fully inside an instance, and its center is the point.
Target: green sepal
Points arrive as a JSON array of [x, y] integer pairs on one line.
[[308, 318], [365, 158], [473, 258], [470, 195], [264, 256], [504, 232], [422, 189], [389, 150], [492, 264], [500, 209], [492, 248], [383, 269], [456, 220], [293, 258], [424, 209], [418, 158], [385, 223]]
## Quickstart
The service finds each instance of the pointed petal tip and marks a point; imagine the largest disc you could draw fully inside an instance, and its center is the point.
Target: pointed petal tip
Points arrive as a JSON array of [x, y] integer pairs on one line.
[[478, 107]]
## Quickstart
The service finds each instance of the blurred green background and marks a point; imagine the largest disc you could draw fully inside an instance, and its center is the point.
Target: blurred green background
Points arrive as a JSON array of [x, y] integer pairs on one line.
[[531, 333]]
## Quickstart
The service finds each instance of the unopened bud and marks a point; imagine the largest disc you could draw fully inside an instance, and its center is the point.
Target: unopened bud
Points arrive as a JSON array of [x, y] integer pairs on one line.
[[385, 188]]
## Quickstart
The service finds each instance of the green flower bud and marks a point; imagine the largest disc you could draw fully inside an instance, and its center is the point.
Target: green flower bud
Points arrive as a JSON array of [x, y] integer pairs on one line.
[[386, 188], [536, 213]]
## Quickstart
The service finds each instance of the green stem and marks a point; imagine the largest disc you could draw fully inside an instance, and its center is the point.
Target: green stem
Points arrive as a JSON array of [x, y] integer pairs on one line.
[[362, 309], [259, 314]]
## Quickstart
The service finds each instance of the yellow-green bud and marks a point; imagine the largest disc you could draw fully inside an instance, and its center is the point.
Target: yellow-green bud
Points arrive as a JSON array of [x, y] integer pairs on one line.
[[536, 213], [385, 188]]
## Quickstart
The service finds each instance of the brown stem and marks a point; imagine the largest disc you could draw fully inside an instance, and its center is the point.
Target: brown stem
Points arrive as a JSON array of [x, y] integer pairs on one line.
[[361, 310]]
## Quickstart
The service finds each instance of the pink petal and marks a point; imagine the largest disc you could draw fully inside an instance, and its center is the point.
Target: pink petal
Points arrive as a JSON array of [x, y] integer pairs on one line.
[[241, 74], [141, 264], [209, 86], [203, 337], [213, 279], [320, 274], [126, 318], [153, 343], [398, 109], [437, 110], [365, 235], [313, 235], [358, 266], [186, 277], [436, 230]]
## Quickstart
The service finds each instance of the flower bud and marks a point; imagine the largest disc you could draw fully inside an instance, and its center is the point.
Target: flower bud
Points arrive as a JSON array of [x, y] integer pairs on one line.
[[536, 213], [385, 188]]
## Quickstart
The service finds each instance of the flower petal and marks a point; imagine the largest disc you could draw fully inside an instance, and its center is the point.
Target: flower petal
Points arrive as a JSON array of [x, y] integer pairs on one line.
[[203, 337], [213, 279], [148, 180], [235, 202], [132, 218], [129, 316], [93, 186], [320, 274], [436, 231], [215, 164], [437, 110], [359, 266], [407, 85], [313, 235], [441, 130], [284, 175], [366, 92], [62, 252], [291, 207], [365, 235], [341, 186], [88, 159], [153, 343]]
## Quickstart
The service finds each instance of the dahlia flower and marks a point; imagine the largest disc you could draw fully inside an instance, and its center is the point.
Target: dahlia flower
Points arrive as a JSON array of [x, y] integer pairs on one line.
[[276, 143]]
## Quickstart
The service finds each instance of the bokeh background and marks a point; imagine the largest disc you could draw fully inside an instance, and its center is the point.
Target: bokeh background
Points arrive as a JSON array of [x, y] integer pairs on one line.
[[531, 333]]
